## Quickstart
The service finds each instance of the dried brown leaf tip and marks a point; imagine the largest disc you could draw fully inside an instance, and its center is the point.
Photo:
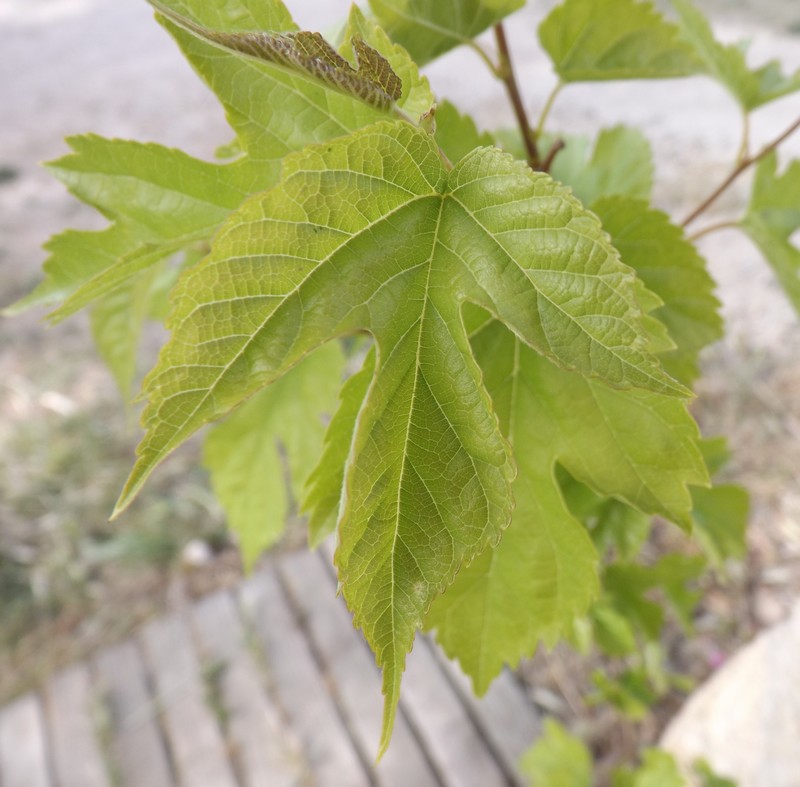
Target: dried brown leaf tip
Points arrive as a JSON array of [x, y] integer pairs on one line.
[[373, 80]]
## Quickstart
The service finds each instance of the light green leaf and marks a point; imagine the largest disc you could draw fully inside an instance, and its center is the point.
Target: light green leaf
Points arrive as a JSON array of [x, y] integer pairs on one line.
[[122, 272], [324, 487], [558, 759], [371, 232], [727, 63], [253, 15], [117, 322], [160, 199], [671, 267], [273, 110], [372, 80], [416, 98], [162, 191], [542, 575], [772, 217], [621, 164], [429, 28], [75, 256], [243, 452], [612, 631], [457, 134], [591, 40], [626, 585], [658, 769], [720, 521]]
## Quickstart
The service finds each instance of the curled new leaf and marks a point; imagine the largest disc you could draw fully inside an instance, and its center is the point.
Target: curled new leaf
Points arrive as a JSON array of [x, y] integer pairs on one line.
[[373, 81]]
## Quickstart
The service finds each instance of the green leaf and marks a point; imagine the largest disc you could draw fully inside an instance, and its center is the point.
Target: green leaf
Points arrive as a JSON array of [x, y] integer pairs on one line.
[[457, 134], [254, 15], [162, 191], [372, 80], [75, 256], [613, 632], [558, 759], [658, 769], [591, 40], [429, 28], [771, 219], [726, 63], [242, 453], [117, 322], [631, 692], [720, 521], [621, 165], [708, 778], [416, 98], [160, 199], [626, 586], [272, 109], [542, 575], [671, 267], [324, 487], [371, 232]]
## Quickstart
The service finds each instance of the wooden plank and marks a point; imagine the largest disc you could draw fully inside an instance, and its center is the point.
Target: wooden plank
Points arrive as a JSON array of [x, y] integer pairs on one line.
[[436, 711], [504, 715], [354, 676], [23, 747], [138, 750], [329, 750], [264, 750], [75, 749], [194, 735]]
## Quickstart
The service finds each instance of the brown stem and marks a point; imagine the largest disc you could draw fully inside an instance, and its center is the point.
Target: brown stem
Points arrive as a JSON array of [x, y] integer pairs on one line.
[[506, 72], [557, 146], [746, 162]]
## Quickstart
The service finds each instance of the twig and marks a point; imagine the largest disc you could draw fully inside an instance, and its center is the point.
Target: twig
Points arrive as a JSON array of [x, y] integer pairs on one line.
[[547, 107], [557, 146], [722, 225], [506, 73], [744, 148], [483, 55], [746, 162]]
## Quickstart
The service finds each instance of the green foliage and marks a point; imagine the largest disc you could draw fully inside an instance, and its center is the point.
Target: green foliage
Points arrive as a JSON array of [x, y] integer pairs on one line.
[[526, 340], [727, 63], [561, 759], [590, 40], [429, 28], [772, 217], [243, 452], [558, 759]]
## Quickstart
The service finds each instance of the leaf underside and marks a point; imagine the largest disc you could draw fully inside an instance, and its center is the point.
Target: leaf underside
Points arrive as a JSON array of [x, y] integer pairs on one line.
[[371, 233]]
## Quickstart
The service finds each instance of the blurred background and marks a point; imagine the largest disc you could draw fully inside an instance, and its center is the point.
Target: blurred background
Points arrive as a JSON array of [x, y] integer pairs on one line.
[[70, 580]]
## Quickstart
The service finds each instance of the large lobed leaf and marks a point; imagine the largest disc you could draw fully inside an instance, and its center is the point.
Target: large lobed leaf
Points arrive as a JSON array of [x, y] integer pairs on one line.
[[750, 87], [772, 218], [371, 232], [590, 40]]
